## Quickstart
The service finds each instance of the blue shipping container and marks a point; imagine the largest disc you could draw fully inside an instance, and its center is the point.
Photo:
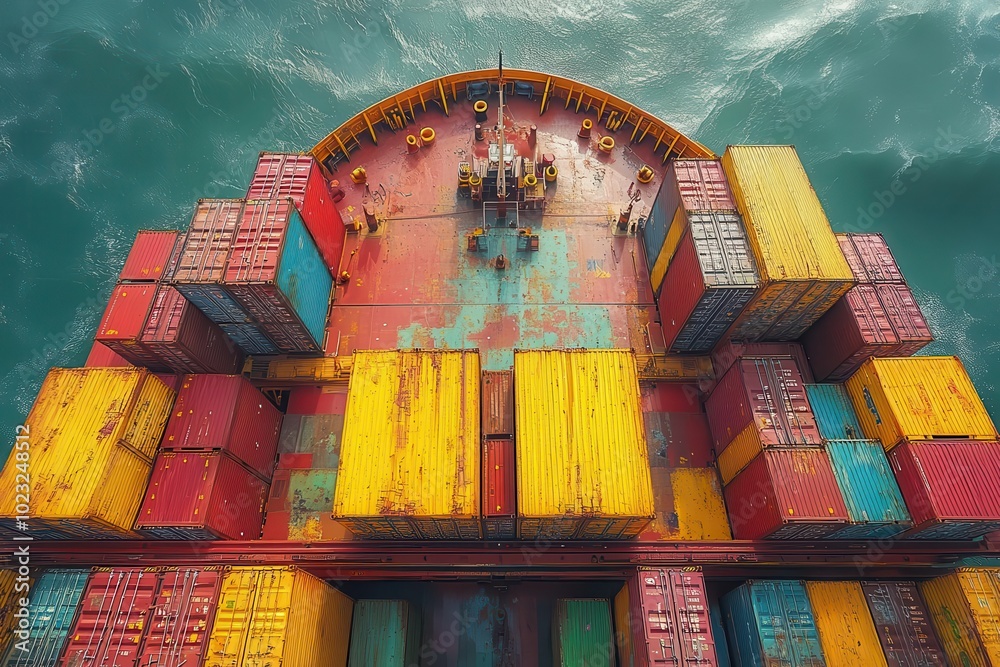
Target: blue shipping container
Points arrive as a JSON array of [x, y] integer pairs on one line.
[[249, 338], [874, 502], [654, 232], [834, 412], [770, 624], [719, 634], [304, 279], [215, 302], [54, 599], [384, 633]]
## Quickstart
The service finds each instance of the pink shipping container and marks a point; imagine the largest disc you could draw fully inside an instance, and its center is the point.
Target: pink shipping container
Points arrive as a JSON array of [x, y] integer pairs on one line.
[[123, 322], [152, 257], [225, 412], [870, 259], [729, 352], [280, 175], [202, 496], [768, 392], [499, 490], [786, 494], [102, 356], [952, 488], [180, 622], [498, 404], [907, 319], [697, 185]]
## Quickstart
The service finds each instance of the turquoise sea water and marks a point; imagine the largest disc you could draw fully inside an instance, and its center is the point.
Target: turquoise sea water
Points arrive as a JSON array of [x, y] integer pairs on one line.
[[116, 116]]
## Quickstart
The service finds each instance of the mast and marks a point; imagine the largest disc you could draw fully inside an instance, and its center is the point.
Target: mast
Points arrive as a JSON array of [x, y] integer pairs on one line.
[[502, 171]]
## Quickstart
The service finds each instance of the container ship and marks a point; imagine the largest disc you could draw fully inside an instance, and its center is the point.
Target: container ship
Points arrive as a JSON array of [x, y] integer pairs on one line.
[[506, 371]]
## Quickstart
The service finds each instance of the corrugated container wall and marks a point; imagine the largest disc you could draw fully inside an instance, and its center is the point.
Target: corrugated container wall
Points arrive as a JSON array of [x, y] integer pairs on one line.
[[965, 610], [801, 267], [498, 404], [728, 352], [54, 599], [870, 259], [152, 257], [384, 633], [277, 275], [225, 412], [499, 490], [875, 505], [94, 432], [918, 398], [279, 616], [834, 412], [250, 338], [846, 630], [184, 340], [179, 624], [771, 624], [123, 322], [907, 319], [581, 633], [662, 618], [903, 624], [581, 472], [708, 283], [102, 356], [410, 454], [9, 602], [280, 175]]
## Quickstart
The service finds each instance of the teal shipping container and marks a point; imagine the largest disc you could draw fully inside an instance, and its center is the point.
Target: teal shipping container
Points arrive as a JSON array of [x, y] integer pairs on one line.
[[834, 412], [581, 633], [771, 624], [54, 599], [384, 633], [719, 634], [875, 505]]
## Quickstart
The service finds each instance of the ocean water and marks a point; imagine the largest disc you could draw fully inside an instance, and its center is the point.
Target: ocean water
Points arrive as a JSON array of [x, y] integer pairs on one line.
[[117, 116]]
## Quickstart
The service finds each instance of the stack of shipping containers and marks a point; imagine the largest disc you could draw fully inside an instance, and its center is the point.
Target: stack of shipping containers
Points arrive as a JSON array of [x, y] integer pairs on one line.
[[499, 485]]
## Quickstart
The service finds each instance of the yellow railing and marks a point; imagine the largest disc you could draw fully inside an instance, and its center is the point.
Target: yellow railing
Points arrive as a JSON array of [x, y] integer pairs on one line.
[[400, 110]]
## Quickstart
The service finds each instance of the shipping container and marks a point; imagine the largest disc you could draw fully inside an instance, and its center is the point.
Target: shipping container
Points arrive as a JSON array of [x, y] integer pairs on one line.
[[688, 505], [201, 268], [952, 489], [93, 435], [719, 634], [280, 175], [279, 616], [581, 633], [277, 275], [903, 624], [800, 265], [708, 283], [728, 352], [102, 356], [384, 633], [907, 319], [202, 496], [325, 400], [499, 489], [179, 623], [498, 404], [662, 618], [54, 599], [152, 257], [10, 598], [875, 505], [582, 472], [965, 609], [918, 398], [410, 454], [225, 412], [250, 338], [123, 322], [184, 340], [786, 494], [834, 412], [846, 630], [771, 624], [870, 259]]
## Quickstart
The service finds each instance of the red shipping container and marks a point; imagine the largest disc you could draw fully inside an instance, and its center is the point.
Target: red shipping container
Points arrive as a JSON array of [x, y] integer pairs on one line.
[[952, 488], [498, 404], [671, 397], [152, 257], [202, 496], [668, 620], [103, 356], [907, 319], [185, 340], [768, 392], [123, 321], [316, 401], [870, 259], [697, 185], [298, 176], [728, 352], [499, 490], [225, 412], [182, 615], [172, 380], [786, 494], [903, 624]]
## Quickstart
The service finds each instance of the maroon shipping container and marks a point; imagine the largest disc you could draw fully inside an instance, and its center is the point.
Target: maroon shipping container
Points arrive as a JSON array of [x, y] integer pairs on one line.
[[668, 620], [225, 412], [768, 392], [103, 356], [123, 321], [498, 404], [786, 494], [907, 319], [202, 496], [152, 257], [952, 488], [903, 624], [180, 622], [870, 259], [729, 352], [697, 185], [185, 340], [499, 490], [281, 175]]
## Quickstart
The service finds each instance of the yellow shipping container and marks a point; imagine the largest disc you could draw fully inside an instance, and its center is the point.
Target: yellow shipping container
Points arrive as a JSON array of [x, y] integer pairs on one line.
[[965, 609], [699, 505], [279, 616], [918, 398], [678, 226], [582, 465], [740, 452], [409, 458], [622, 608], [803, 272], [9, 604], [93, 435], [844, 623]]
